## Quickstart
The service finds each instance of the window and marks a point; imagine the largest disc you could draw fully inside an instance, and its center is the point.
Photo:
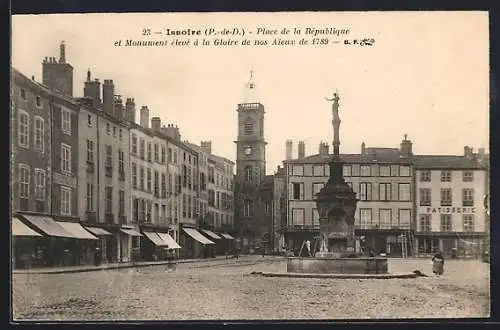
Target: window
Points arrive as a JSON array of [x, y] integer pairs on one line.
[[365, 217], [425, 176], [425, 222], [385, 192], [445, 176], [468, 222], [108, 129], [297, 217], [135, 208], [394, 170], [298, 191], [134, 175], [175, 157], [148, 178], [315, 218], [347, 170], [109, 156], [365, 170], [316, 187], [404, 170], [404, 192], [90, 197], [89, 120], [134, 144], [90, 151], [385, 170], [120, 134], [142, 148], [318, 170], [141, 178], [446, 197], [65, 159], [108, 206], [114, 131], [163, 185], [425, 197], [247, 208], [23, 129], [404, 218], [39, 184], [23, 94], [365, 189], [121, 202], [66, 121], [157, 183], [121, 162], [65, 200], [468, 197], [467, 176], [446, 222], [149, 151], [170, 184], [248, 173], [24, 181], [163, 154], [385, 216], [39, 130], [170, 155], [38, 102], [248, 129], [298, 170]]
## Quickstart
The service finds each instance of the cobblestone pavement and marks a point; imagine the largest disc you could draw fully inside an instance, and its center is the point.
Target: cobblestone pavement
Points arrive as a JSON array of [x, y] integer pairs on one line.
[[225, 290]]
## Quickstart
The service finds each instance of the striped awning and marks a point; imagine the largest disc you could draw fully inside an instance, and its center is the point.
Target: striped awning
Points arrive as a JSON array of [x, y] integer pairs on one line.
[[154, 238], [197, 236], [48, 226], [20, 229], [171, 243], [130, 232], [211, 234], [226, 236], [76, 230], [98, 231]]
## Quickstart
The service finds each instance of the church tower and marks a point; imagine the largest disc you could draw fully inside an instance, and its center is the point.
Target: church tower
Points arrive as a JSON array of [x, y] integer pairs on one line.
[[250, 163]]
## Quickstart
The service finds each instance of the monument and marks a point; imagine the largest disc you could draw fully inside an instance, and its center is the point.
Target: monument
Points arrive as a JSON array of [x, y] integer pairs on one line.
[[336, 203]]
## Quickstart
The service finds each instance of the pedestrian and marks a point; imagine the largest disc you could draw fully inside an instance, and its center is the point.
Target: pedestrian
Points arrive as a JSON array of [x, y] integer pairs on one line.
[[438, 263], [97, 256], [308, 246]]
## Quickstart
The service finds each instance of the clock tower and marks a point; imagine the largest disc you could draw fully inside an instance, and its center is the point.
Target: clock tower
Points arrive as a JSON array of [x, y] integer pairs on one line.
[[250, 165]]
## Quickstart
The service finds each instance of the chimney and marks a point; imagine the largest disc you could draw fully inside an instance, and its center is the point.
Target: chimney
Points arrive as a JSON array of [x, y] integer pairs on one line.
[[144, 117], [406, 147], [156, 123], [206, 146], [62, 53], [92, 90], [301, 150], [363, 148], [130, 110], [468, 151], [326, 149], [118, 107], [289, 145], [481, 152], [108, 95]]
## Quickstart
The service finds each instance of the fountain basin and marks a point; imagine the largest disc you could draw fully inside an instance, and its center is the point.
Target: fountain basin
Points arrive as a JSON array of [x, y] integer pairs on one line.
[[369, 265]]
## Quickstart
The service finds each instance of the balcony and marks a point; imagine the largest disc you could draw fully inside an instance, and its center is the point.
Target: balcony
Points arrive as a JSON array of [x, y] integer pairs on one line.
[[91, 216], [383, 227], [90, 167], [109, 218], [123, 219]]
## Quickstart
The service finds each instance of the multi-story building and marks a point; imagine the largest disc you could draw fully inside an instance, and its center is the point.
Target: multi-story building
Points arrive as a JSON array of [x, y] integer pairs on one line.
[[250, 170], [450, 197], [383, 181]]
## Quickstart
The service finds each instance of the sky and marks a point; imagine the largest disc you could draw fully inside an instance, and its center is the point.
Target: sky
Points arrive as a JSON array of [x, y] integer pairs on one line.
[[425, 76]]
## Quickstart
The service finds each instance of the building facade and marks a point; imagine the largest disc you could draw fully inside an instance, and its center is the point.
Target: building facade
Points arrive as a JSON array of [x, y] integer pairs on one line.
[[250, 170], [383, 181], [451, 191]]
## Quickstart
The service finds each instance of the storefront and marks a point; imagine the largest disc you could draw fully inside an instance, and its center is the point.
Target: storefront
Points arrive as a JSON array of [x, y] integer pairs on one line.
[[81, 252], [130, 243], [152, 246], [198, 246], [218, 248], [228, 242], [101, 234], [24, 242]]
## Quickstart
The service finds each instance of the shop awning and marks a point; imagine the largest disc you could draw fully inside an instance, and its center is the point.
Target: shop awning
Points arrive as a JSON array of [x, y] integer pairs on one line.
[[154, 238], [20, 229], [171, 243], [130, 232], [211, 234], [98, 231], [197, 236], [76, 230], [226, 236], [48, 226]]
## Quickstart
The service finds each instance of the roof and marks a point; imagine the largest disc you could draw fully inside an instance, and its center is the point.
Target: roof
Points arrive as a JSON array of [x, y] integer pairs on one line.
[[380, 155], [444, 162]]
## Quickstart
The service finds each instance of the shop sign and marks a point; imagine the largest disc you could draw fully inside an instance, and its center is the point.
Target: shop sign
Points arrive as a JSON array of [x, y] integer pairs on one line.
[[451, 210]]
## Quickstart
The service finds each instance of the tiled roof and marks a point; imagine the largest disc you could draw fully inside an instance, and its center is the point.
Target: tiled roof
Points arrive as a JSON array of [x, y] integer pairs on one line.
[[441, 161], [384, 155]]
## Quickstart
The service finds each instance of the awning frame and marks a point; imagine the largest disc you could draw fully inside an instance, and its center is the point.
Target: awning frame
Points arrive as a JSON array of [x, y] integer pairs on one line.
[[197, 236]]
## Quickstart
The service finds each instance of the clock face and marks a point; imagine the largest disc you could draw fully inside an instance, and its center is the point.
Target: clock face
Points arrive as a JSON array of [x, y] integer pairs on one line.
[[248, 151]]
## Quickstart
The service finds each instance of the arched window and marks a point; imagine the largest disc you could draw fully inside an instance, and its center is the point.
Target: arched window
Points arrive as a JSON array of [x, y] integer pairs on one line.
[[248, 173], [248, 208]]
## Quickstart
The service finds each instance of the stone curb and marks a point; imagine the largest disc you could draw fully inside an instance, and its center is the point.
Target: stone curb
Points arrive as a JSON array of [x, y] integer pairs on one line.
[[337, 276], [118, 266]]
